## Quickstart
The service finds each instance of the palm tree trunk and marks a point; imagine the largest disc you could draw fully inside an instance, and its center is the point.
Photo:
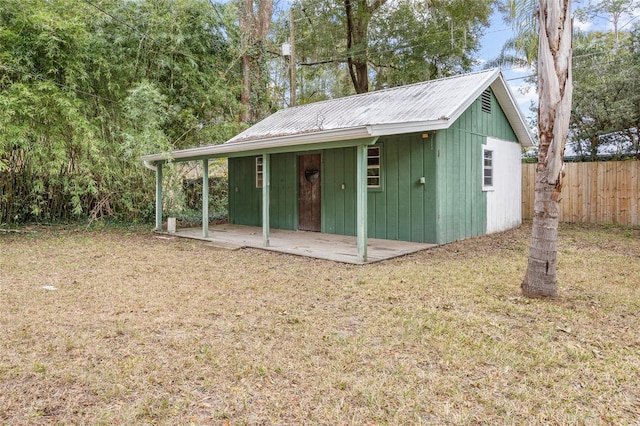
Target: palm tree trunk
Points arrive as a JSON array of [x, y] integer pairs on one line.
[[554, 109]]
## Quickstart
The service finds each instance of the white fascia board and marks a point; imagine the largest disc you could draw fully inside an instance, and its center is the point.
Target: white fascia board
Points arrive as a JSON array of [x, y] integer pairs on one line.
[[511, 109], [471, 97], [262, 144], [412, 127], [443, 122]]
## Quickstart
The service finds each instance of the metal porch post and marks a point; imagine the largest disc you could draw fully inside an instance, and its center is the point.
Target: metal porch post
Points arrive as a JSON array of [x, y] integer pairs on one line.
[[159, 197], [361, 201], [266, 179], [205, 198]]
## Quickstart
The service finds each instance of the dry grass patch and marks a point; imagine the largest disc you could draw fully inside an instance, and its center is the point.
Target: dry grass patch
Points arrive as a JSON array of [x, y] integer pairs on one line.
[[142, 330]]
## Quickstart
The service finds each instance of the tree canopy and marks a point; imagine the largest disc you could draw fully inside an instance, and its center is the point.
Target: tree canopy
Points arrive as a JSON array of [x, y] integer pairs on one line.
[[606, 106], [371, 45], [88, 87]]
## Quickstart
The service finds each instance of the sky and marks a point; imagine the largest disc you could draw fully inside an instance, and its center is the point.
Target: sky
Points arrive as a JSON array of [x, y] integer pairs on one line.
[[494, 37], [491, 44], [498, 32]]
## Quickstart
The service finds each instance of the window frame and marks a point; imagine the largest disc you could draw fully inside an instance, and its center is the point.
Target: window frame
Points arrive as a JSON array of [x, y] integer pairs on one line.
[[259, 171], [377, 166], [485, 168]]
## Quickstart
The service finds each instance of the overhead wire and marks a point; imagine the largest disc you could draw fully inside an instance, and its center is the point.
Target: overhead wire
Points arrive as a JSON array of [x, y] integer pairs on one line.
[[62, 86], [409, 43], [341, 57], [334, 58], [153, 39], [585, 55], [120, 22], [337, 57]]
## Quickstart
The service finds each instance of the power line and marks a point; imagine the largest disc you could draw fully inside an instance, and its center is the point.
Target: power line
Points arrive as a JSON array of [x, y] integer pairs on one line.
[[409, 43], [578, 67], [340, 56], [160, 44], [520, 78], [118, 20], [628, 22], [62, 86]]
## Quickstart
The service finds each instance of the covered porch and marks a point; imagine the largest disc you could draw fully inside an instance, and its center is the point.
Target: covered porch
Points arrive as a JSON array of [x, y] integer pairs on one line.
[[338, 248], [359, 139]]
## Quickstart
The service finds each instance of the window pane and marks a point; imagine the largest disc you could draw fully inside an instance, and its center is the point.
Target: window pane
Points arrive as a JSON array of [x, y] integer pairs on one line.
[[373, 167], [258, 172], [487, 168]]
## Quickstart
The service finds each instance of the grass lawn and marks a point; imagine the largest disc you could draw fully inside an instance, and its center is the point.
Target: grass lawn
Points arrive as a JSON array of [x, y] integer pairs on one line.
[[143, 330]]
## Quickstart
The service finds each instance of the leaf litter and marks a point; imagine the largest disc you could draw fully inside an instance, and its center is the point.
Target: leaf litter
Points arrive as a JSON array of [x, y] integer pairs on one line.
[[157, 331]]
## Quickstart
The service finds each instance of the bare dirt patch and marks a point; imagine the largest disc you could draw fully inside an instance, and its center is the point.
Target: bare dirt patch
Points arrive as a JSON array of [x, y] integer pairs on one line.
[[126, 328]]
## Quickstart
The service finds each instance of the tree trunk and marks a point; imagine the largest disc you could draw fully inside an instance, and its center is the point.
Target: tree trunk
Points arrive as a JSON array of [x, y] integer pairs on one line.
[[358, 40], [554, 109], [245, 96], [253, 29]]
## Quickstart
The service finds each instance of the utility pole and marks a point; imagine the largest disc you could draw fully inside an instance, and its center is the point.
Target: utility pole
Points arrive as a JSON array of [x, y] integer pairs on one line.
[[292, 60]]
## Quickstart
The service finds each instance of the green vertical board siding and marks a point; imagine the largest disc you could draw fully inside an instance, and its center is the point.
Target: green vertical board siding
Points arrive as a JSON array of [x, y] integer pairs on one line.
[[430, 200], [461, 203], [390, 184], [284, 191], [417, 190], [403, 169], [332, 203], [494, 124], [450, 205], [338, 204], [245, 200], [404, 209], [377, 200]]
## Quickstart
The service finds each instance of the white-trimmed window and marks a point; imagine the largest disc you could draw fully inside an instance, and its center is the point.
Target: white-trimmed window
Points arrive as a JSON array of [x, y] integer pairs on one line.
[[373, 167], [487, 169], [259, 172]]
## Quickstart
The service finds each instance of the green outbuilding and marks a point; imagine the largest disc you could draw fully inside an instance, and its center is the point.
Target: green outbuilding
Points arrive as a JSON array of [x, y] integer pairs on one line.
[[432, 162]]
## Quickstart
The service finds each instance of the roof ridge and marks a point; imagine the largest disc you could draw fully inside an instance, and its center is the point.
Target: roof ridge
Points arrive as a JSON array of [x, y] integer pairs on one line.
[[388, 89]]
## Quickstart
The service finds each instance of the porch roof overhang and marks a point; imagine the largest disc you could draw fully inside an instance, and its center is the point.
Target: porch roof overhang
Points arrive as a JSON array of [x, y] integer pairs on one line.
[[327, 139], [339, 138]]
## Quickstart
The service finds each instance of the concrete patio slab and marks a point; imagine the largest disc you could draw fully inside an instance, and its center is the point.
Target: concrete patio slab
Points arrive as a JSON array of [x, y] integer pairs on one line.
[[338, 248]]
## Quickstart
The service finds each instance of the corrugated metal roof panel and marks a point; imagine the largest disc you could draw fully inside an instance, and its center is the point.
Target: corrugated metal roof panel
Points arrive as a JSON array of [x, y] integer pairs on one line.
[[419, 107], [421, 102]]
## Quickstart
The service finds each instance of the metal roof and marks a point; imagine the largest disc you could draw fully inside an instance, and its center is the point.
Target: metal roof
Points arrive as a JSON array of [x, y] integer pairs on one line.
[[431, 105]]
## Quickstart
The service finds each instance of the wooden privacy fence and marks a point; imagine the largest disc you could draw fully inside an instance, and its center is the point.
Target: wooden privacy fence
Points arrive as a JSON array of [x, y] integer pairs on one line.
[[597, 192]]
